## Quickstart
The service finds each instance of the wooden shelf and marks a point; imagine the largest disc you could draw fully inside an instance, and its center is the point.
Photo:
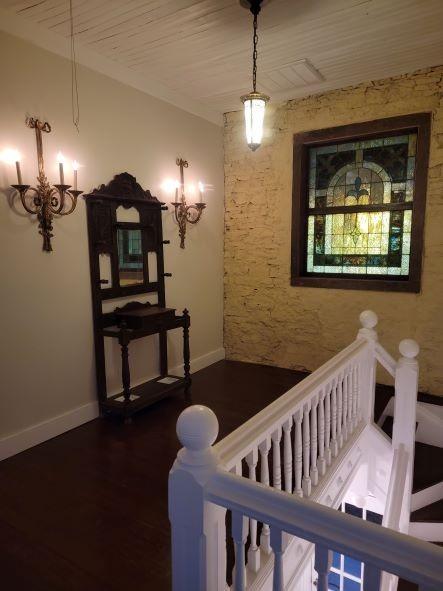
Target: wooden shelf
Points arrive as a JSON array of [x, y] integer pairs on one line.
[[143, 395]]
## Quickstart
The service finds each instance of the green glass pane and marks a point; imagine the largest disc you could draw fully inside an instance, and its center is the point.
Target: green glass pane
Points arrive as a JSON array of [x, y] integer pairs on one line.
[[407, 219], [310, 263], [405, 264], [409, 190], [399, 139], [311, 224], [311, 197], [411, 167], [406, 243], [310, 243]]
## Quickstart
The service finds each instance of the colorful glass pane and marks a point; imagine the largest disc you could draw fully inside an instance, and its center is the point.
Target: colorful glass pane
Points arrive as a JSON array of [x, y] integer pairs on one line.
[[361, 175]]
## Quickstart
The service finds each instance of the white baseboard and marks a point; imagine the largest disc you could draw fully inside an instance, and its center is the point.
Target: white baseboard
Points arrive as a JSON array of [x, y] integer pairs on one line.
[[18, 442], [14, 444]]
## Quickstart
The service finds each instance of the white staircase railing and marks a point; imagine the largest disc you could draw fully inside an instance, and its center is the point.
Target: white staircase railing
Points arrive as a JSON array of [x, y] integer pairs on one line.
[[310, 427]]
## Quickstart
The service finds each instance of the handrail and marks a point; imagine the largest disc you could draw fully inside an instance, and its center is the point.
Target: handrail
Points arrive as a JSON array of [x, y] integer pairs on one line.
[[239, 442], [405, 556], [385, 359], [396, 491]]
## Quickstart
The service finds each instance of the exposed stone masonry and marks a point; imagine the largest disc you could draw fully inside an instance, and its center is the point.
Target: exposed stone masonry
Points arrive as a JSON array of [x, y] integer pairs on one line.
[[267, 320]]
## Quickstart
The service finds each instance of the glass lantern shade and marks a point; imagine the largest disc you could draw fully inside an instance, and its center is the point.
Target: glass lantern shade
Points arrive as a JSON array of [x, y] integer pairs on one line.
[[255, 106]]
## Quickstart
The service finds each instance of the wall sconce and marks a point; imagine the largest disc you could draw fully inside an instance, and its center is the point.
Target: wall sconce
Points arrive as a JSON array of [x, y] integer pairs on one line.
[[45, 201], [184, 213]]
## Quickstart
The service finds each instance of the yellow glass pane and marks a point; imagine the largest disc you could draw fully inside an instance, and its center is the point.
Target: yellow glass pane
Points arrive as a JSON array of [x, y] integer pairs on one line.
[[337, 223], [375, 222], [407, 218]]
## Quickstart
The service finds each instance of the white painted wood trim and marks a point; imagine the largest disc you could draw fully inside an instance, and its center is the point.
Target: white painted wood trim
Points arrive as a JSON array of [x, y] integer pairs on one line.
[[31, 436], [18, 442], [427, 496], [239, 443], [431, 532]]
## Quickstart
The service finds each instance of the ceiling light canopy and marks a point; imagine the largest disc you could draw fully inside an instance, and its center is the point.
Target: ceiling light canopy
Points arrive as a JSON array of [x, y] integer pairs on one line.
[[254, 102]]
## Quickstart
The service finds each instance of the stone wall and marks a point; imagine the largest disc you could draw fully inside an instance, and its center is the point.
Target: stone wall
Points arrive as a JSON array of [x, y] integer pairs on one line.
[[267, 320]]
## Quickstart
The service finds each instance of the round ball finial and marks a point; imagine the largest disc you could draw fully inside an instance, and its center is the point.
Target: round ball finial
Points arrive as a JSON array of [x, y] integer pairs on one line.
[[368, 319], [197, 427], [409, 348]]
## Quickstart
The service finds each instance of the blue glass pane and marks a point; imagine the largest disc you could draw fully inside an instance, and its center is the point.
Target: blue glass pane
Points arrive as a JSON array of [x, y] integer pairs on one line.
[[352, 566], [334, 581], [349, 585], [336, 560]]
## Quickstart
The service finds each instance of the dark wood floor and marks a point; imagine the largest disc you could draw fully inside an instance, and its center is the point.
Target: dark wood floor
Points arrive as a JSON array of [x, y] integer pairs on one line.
[[87, 511]]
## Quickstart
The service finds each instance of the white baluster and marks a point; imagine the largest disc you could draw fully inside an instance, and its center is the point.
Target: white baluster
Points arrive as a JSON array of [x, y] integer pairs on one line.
[[321, 435], [314, 442], [350, 400], [356, 397], [372, 578], [345, 405], [276, 459], [328, 424], [239, 535], [287, 454], [277, 548], [254, 550], [264, 448], [339, 411], [322, 564], [306, 453], [298, 454], [334, 444]]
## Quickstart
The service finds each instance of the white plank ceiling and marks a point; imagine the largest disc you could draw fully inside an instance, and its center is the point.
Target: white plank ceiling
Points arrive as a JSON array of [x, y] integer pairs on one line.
[[199, 51]]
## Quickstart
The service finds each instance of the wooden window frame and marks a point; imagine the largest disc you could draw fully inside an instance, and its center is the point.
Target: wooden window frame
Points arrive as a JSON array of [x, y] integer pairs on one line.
[[419, 123]]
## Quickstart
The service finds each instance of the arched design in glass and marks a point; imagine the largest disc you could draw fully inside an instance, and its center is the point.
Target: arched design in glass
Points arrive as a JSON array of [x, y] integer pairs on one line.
[[356, 214]]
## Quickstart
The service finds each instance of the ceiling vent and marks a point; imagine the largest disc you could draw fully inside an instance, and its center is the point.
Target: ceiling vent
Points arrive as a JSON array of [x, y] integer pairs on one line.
[[293, 75]]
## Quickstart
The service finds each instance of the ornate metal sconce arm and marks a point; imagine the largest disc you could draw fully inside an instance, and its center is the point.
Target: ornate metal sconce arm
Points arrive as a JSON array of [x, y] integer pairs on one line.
[[184, 213], [47, 201]]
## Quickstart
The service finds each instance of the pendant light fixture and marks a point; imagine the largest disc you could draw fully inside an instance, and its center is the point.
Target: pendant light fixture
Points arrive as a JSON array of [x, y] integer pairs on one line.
[[254, 102]]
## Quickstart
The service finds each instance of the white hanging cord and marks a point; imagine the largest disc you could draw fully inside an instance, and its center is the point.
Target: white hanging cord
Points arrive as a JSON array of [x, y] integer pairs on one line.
[[74, 81]]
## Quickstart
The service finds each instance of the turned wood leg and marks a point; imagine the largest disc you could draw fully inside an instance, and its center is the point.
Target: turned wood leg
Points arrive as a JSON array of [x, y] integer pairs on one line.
[[126, 376], [186, 352], [163, 353]]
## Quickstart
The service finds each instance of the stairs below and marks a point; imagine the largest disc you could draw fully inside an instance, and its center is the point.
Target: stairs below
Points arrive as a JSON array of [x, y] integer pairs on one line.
[[428, 471]]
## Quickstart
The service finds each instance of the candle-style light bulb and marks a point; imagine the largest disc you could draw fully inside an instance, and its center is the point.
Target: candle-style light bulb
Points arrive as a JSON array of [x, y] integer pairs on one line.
[[201, 189], [61, 160], [75, 167], [13, 157]]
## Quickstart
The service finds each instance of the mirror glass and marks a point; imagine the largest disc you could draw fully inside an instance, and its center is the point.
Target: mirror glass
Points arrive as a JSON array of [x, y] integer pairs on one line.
[[130, 257]]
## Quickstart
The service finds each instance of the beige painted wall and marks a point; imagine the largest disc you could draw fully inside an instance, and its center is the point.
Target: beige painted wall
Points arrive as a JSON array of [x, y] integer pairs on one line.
[[46, 357], [267, 320]]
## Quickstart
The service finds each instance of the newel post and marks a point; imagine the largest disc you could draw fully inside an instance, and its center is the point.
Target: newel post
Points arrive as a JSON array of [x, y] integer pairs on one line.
[[198, 537], [406, 388], [367, 367]]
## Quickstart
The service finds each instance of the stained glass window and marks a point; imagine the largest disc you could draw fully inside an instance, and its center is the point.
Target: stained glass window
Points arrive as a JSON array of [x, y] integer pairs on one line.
[[358, 204]]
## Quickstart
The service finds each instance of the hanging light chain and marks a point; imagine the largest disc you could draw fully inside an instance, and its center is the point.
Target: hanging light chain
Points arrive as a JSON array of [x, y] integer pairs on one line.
[[254, 55]]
